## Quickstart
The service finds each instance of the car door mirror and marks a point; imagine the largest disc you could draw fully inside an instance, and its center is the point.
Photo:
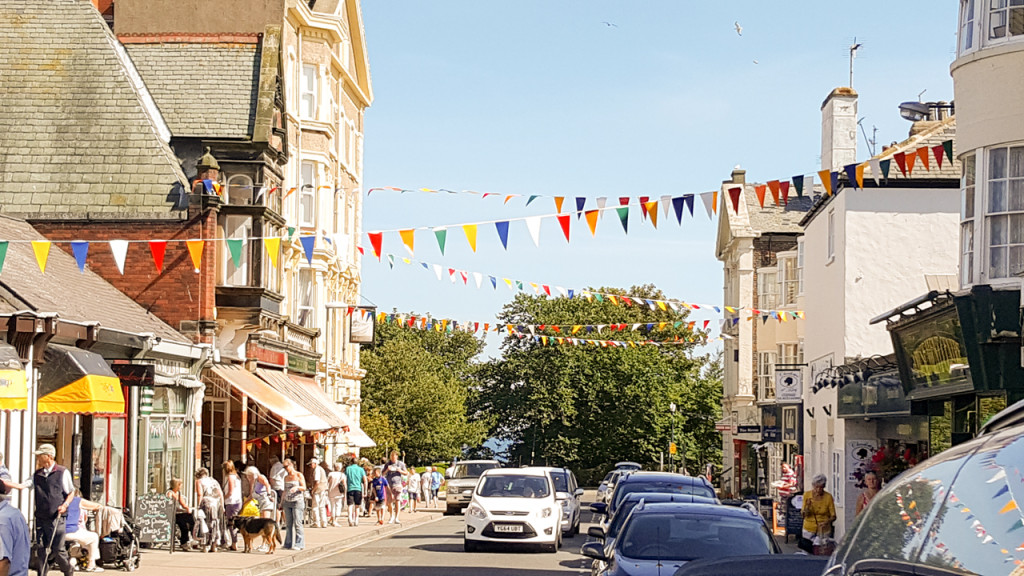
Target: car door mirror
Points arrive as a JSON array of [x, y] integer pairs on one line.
[[596, 532], [594, 550], [599, 508], [578, 493]]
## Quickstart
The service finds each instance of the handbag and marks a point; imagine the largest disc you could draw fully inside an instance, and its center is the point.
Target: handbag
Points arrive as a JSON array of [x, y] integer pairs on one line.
[[824, 545]]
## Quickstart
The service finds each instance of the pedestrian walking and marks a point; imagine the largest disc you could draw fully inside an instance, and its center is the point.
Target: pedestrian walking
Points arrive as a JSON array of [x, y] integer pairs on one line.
[[336, 493], [211, 504], [368, 500], [379, 491], [319, 493], [276, 477], [183, 517], [232, 487], [395, 472], [414, 488], [425, 486], [294, 506], [259, 489], [15, 547], [53, 490], [436, 478], [355, 483]]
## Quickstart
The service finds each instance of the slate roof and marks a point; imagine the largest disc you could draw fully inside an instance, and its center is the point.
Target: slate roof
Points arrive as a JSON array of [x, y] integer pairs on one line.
[[932, 136], [79, 134], [776, 219], [217, 103], [73, 295]]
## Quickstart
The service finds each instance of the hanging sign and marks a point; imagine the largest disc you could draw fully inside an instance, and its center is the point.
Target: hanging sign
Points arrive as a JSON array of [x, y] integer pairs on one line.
[[789, 385]]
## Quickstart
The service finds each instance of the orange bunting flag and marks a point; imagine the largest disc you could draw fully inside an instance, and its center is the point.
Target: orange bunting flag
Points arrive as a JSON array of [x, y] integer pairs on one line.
[[911, 159], [826, 180], [652, 211], [195, 250], [714, 202], [289, 192], [42, 252], [860, 175], [760, 190], [592, 220], [1011, 505], [922, 153], [408, 238], [470, 230], [775, 187], [273, 246], [558, 203], [509, 197]]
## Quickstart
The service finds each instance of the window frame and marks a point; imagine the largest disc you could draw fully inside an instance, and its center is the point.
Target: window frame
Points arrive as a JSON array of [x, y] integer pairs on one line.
[[307, 192], [967, 21], [307, 92], [968, 216], [768, 300], [782, 358], [766, 362], [1006, 11], [782, 258], [974, 26], [800, 267], [309, 306], [1007, 212], [831, 254]]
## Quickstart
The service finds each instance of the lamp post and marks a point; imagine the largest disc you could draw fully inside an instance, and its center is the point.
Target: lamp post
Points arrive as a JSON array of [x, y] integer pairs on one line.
[[672, 446]]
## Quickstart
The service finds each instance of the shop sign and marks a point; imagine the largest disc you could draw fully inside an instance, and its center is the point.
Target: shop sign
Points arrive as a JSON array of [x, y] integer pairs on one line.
[[789, 385], [791, 424], [770, 425], [271, 357], [134, 375], [748, 429], [300, 364], [362, 323]]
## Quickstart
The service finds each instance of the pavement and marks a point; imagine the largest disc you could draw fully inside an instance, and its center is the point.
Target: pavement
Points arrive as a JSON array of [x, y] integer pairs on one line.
[[320, 542]]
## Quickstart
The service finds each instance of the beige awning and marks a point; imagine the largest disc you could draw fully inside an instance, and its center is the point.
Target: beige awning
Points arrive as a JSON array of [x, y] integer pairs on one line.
[[270, 398]]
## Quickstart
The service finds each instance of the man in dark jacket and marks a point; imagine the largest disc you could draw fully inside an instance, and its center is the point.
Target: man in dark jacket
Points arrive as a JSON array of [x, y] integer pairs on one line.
[[54, 491]]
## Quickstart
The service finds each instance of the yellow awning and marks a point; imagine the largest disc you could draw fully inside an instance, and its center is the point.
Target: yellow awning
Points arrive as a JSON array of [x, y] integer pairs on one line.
[[90, 394], [13, 390]]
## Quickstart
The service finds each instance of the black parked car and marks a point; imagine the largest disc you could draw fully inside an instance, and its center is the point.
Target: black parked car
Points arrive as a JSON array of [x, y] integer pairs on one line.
[[959, 512]]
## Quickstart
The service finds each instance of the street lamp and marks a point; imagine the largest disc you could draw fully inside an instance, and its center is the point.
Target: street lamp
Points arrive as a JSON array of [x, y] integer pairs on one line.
[[672, 445]]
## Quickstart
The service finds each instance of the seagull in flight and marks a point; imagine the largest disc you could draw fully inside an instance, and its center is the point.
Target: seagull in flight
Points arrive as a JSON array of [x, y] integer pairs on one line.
[[609, 24], [739, 29]]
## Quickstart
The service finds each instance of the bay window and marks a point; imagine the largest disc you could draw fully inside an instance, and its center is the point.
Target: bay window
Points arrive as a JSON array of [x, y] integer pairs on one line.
[[307, 195], [967, 222], [1005, 18], [767, 289], [305, 297], [789, 279], [989, 22], [1004, 219], [309, 86]]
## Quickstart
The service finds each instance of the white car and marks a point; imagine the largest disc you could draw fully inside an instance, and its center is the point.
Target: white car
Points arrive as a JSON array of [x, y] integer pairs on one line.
[[514, 506], [568, 494]]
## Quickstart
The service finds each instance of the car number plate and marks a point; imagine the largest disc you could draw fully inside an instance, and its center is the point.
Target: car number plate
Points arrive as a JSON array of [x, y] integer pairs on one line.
[[508, 528]]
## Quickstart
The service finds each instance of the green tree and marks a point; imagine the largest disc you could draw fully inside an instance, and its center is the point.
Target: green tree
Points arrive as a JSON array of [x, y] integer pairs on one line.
[[378, 426], [585, 406], [421, 380]]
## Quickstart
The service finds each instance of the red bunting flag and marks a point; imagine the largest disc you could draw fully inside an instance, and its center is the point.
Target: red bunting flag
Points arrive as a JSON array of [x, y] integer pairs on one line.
[[563, 221], [938, 151], [643, 207], [158, 248], [376, 238], [760, 190], [901, 162], [784, 186], [734, 195], [624, 200], [774, 186]]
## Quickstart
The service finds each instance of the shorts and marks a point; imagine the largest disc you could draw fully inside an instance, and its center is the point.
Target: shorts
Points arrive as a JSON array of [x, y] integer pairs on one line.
[[414, 496], [379, 505], [395, 493], [354, 498]]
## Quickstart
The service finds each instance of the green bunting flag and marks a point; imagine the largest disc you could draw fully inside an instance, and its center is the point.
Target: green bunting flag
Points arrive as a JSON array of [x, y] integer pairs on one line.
[[624, 217], [291, 232], [798, 183], [235, 248], [947, 146], [884, 165], [3, 254], [442, 235]]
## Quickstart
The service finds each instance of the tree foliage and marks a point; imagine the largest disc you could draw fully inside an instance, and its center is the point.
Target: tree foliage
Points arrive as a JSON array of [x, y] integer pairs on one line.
[[378, 426], [420, 383], [587, 407]]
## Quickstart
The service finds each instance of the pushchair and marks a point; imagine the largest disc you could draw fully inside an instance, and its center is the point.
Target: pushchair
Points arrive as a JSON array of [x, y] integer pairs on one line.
[[120, 547]]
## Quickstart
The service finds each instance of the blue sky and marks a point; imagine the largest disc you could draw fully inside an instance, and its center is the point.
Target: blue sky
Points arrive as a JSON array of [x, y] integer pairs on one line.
[[534, 97]]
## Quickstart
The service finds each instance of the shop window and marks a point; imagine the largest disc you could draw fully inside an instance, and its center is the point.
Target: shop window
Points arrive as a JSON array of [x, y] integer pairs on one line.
[[108, 463], [967, 222], [307, 195], [767, 289], [165, 451], [1005, 212]]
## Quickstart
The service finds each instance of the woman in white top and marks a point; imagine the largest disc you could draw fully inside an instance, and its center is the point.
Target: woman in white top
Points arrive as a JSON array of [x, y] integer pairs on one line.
[[232, 488], [336, 493], [211, 504], [414, 489]]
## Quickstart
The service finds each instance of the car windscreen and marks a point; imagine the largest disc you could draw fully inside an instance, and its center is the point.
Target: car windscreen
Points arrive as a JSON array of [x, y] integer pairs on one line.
[[687, 537], [560, 480], [608, 477], [662, 487], [513, 486], [472, 469]]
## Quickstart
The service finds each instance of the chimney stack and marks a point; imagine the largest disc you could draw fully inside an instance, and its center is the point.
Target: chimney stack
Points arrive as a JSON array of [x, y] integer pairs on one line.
[[839, 129]]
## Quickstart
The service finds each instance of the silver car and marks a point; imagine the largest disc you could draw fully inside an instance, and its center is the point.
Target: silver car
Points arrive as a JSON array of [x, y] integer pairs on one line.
[[568, 494], [462, 478]]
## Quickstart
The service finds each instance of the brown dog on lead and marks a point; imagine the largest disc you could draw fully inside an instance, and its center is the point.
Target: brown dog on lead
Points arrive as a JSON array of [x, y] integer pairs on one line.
[[266, 528]]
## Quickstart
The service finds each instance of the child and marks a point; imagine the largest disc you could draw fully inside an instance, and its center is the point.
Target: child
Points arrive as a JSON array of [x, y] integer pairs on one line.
[[379, 490]]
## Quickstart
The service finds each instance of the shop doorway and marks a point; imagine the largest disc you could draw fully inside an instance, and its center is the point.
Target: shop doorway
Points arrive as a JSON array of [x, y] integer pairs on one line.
[[107, 444]]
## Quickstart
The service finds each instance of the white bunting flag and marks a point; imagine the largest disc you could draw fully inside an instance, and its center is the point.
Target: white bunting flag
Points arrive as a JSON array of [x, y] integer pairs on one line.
[[708, 198], [120, 250], [666, 205], [479, 278], [437, 270], [533, 225], [601, 203], [876, 169]]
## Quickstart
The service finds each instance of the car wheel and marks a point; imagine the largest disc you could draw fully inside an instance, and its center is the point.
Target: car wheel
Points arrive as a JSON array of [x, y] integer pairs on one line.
[[451, 511], [575, 530], [470, 546]]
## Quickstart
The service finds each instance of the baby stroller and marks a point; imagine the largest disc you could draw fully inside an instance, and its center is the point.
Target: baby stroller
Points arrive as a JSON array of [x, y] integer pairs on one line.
[[120, 547]]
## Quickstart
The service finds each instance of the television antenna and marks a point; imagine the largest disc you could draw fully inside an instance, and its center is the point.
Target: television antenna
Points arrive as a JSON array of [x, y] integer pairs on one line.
[[853, 55]]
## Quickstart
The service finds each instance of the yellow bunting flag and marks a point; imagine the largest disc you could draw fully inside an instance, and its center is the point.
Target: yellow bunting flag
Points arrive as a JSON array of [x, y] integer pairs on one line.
[[273, 246], [613, 299], [576, 329], [661, 304], [42, 250], [470, 230], [860, 175], [592, 220], [652, 211], [826, 180], [1011, 505], [195, 250], [409, 239]]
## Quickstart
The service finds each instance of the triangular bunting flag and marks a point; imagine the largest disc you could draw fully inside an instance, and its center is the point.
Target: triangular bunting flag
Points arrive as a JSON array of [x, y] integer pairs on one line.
[[563, 221], [678, 204], [234, 248], [81, 252], [859, 174], [533, 226], [470, 230], [947, 147], [157, 248], [652, 212], [798, 183], [41, 248], [938, 151], [308, 244], [689, 203], [709, 199], [851, 173], [442, 236], [195, 251], [784, 188], [376, 239], [760, 190], [623, 212], [776, 188], [666, 205], [580, 203], [558, 203], [531, 199], [502, 228], [601, 203], [119, 248], [643, 207], [273, 248], [592, 221], [876, 170], [922, 153], [911, 159], [901, 162], [826, 181], [3, 253], [884, 165], [734, 195], [409, 239]]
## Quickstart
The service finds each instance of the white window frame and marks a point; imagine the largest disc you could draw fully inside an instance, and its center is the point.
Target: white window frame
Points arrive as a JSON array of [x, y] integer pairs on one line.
[[968, 209], [831, 235], [305, 297], [308, 94], [306, 208], [1005, 11], [1008, 182], [789, 284], [967, 40], [789, 353], [974, 27], [766, 375], [800, 266], [768, 288], [236, 227]]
